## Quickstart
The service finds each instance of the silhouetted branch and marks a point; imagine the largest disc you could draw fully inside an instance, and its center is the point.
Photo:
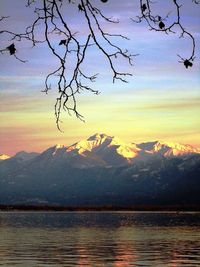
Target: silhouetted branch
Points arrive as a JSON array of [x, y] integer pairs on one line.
[[196, 1], [157, 23], [70, 82], [3, 17]]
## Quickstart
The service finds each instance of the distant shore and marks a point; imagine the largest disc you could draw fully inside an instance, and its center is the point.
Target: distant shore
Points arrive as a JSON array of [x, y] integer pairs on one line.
[[99, 208]]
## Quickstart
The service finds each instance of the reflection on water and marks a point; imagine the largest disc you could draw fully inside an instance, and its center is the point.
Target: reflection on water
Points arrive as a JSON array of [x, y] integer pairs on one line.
[[116, 239]]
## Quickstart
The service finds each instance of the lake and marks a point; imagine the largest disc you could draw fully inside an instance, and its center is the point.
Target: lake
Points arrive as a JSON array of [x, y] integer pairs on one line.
[[113, 239]]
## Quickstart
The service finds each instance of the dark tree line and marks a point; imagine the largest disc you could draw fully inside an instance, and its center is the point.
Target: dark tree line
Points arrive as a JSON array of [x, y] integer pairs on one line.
[[49, 15]]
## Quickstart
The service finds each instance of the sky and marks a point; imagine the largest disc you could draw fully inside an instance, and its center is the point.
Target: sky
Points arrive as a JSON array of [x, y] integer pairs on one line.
[[161, 101]]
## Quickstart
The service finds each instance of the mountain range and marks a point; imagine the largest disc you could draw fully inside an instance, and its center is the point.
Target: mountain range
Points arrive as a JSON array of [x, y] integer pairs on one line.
[[102, 170]]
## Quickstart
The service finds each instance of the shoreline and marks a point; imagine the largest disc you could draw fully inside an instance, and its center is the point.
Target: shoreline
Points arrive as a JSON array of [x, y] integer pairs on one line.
[[138, 208]]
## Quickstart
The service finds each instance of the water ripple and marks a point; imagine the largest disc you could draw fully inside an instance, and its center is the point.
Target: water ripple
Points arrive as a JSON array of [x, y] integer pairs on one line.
[[99, 239]]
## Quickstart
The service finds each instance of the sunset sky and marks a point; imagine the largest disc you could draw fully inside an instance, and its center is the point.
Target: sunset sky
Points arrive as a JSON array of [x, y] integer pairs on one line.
[[161, 100]]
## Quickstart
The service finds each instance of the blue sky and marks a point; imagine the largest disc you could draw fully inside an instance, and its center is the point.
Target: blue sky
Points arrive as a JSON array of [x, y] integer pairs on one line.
[[161, 100]]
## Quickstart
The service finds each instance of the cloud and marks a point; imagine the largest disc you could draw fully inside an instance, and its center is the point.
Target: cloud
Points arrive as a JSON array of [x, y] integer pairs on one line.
[[175, 104]]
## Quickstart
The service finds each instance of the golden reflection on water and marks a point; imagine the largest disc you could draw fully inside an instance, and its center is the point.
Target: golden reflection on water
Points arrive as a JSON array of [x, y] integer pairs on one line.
[[125, 256], [97, 240]]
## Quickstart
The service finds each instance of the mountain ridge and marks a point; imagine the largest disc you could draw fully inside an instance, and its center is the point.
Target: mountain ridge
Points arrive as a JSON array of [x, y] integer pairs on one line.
[[110, 150], [97, 172]]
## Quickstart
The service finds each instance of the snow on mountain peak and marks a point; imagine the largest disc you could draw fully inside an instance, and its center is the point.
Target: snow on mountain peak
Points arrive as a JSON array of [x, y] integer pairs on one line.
[[58, 149], [104, 150], [103, 140], [4, 156], [102, 144], [57, 146], [94, 141], [99, 136], [168, 148], [128, 151], [111, 149]]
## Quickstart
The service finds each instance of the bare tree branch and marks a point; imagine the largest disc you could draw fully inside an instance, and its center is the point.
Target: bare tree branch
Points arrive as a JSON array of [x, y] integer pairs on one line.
[[70, 82], [156, 23], [196, 1]]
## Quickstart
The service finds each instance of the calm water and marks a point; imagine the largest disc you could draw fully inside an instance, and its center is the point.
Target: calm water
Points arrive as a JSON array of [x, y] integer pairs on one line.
[[115, 239]]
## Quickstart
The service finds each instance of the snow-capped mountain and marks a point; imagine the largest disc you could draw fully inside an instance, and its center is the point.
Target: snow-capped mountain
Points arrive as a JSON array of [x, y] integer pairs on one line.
[[4, 156], [108, 149], [103, 170], [168, 149], [104, 150], [97, 150]]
